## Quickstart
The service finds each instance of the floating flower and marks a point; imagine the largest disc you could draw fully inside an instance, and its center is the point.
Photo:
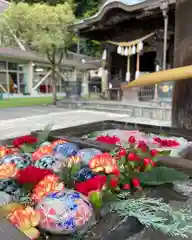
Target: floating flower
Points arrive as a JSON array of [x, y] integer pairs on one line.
[[108, 139], [93, 184], [132, 157], [26, 219], [103, 163], [42, 151], [166, 142], [49, 184], [126, 187], [8, 171], [113, 182], [135, 182], [7, 150], [32, 175], [154, 152], [28, 139], [147, 161], [131, 140], [122, 152]]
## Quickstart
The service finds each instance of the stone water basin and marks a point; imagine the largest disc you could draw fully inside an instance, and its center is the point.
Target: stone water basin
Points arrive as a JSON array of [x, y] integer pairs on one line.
[[148, 138]]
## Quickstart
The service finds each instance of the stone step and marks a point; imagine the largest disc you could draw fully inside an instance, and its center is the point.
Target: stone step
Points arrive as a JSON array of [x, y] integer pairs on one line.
[[109, 109], [92, 105]]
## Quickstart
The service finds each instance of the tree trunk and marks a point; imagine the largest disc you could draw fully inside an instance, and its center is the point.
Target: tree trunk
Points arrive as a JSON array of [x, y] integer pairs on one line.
[[54, 89], [182, 95]]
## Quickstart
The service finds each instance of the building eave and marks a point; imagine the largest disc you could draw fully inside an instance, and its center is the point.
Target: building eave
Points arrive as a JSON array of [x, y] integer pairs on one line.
[[19, 55], [148, 5]]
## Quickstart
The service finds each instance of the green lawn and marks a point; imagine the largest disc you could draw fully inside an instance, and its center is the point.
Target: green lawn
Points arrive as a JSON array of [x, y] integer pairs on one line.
[[23, 102]]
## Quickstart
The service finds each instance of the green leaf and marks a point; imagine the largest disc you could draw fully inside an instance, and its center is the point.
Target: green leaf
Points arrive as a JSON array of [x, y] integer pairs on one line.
[[95, 198], [161, 175], [27, 148], [92, 135], [43, 135], [164, 153], [75, 168]]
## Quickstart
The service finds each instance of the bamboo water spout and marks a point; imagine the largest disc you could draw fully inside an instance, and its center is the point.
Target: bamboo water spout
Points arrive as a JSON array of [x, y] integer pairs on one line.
[[181, 103], [176, 74]]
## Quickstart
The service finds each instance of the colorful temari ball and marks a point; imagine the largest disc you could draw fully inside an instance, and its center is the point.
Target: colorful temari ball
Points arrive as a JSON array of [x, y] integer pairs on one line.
[[9, 186], [45, 162], [66, 149], [18, 160], [87, 153], [45, 144], [65, 212], [84, 174]]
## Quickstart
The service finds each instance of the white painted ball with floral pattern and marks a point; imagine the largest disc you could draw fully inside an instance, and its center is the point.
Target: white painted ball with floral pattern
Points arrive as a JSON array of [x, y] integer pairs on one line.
[[65, 212]]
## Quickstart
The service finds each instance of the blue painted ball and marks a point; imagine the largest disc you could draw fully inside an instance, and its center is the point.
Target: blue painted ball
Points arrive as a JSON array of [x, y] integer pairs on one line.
[[66, 149], [65, 212], [84, 174]]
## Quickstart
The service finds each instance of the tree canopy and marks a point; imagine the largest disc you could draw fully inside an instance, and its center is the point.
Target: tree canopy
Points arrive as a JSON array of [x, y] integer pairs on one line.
[[42, 27], [82, 9]]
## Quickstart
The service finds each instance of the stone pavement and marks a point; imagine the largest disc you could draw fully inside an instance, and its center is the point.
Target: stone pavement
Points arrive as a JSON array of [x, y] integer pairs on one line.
[[19, 121]]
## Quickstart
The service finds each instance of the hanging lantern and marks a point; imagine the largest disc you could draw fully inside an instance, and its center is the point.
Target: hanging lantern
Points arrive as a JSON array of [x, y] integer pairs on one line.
[[119, 50], [133, 50], [126, 51], [104, 56], [140, 46], [122, 51]]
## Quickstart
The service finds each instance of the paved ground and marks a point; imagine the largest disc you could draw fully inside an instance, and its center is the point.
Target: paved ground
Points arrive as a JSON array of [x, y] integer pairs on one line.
[[17, 121]]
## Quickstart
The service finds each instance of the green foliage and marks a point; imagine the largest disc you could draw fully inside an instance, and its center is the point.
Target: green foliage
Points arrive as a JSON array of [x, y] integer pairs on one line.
[[161, 175], [157, 214], [67, 174], [42, 27], [27, 148], [95, 197], [43, 135]]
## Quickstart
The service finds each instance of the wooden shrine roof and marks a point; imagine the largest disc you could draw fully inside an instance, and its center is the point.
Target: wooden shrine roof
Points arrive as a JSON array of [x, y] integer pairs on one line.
[[120, 11]]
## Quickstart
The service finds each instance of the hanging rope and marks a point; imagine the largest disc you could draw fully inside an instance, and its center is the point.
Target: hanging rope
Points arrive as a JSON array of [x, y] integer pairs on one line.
[[132, 43]]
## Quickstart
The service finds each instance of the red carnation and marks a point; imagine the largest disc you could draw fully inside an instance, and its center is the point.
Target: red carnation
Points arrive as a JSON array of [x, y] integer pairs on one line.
[[32, 175], [28, 139], [93, 184], [166, 142], [108, 139]]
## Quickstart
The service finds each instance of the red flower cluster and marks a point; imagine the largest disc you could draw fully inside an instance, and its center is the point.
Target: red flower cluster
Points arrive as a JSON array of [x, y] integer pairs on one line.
[[28, 139], [108, 139], [93, 184], [32, 175], [131, 140], [166, 142]]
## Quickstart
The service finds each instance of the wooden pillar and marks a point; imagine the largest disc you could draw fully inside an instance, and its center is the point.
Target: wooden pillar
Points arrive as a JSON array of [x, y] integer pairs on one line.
[[182, 95], [109, 61]]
